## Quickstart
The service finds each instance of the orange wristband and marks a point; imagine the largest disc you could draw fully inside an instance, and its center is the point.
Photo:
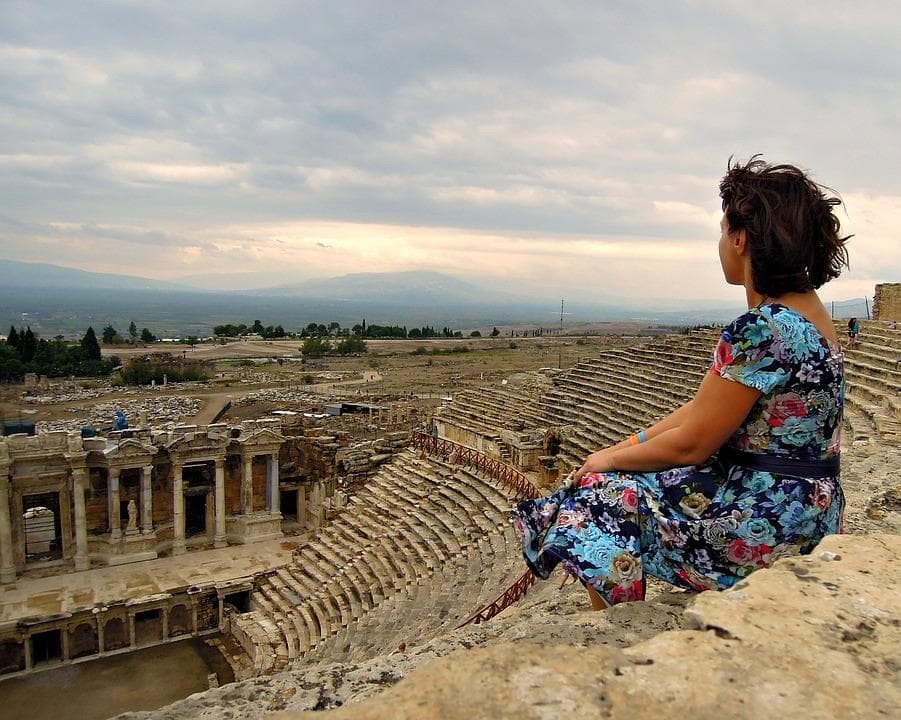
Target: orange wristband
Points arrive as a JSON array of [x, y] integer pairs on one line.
[[633, 439]]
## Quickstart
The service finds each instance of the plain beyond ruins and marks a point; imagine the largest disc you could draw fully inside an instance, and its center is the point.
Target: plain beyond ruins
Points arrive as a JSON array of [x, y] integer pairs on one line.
[[331, 539]]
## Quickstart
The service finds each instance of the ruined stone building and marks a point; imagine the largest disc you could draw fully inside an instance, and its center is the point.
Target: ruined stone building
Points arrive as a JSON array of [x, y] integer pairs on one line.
[[70, 503]]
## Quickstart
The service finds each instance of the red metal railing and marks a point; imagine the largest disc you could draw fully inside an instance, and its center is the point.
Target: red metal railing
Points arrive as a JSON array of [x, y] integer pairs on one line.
[[470, 457], [508, 477], [509, 596]]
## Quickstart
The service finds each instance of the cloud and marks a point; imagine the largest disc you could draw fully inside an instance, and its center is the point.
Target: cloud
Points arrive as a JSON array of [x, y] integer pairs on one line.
[[536, 143]]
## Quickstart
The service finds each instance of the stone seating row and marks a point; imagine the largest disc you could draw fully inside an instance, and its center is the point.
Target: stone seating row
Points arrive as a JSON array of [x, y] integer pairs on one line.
[[871, 370], [412, 519], [636, 370], [873, 331], [502, 404], [588, 419], [870, 420], [517, 405], [487, 411], [621, 389], [668, 359], [430, 606]]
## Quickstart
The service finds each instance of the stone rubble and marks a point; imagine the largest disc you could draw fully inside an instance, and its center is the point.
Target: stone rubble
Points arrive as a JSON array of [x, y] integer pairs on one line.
[[159, 410]]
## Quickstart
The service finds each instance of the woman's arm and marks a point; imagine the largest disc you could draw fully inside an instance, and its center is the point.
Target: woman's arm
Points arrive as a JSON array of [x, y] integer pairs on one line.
[[673, 420], [687, 437]]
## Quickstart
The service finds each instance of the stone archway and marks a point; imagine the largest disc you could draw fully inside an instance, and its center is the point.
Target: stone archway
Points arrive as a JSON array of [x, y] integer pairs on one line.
[[552, 442], [42, 525], [179, 621], [12, 657], [148, 627], [115, 635], [47, 647], [82, 641], [198, 496]]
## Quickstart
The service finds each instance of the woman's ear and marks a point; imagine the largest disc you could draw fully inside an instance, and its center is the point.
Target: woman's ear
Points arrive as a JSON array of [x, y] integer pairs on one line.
[[740, 241]]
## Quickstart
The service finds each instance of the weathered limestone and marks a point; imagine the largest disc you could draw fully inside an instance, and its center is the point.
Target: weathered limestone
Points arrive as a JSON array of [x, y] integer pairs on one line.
[[887, 302], [812, 637]]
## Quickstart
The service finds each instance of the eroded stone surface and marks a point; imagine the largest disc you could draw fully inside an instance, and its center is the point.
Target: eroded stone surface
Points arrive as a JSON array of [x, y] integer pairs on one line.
[[813, 637]]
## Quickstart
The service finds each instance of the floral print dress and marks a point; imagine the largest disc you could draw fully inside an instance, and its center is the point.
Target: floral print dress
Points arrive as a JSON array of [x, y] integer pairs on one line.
[[708, 526]]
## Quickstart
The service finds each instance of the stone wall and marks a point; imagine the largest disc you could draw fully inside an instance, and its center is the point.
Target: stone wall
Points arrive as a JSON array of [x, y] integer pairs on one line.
[[358, 462], [887, 302]]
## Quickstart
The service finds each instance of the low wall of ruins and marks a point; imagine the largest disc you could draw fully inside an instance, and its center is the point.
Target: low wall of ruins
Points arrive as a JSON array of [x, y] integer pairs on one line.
[[30, 644], [887, 302]]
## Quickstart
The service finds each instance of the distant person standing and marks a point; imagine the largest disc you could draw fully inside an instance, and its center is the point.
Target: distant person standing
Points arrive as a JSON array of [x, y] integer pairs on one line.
[[853, 331]]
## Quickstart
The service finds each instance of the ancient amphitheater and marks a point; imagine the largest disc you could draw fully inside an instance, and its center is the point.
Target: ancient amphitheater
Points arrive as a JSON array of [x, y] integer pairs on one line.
[[406, 539]]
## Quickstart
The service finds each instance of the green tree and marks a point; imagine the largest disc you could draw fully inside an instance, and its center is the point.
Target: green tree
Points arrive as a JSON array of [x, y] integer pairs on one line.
[[495, 332], [316, 347], [133, 331], [109, 335], [257, 327], [13, 338], [351, 345], [90, 345], [147, 336], [11, 366], [475, 333], [29, 346]]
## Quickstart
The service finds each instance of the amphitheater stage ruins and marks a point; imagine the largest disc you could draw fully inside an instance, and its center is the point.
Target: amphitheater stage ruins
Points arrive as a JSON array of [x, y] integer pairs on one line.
[[335, 567]]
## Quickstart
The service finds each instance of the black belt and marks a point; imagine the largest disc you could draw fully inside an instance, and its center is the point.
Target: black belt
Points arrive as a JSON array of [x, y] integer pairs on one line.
[[779, 464]]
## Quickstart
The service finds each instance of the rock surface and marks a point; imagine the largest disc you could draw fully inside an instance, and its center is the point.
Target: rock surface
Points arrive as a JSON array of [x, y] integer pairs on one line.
[[812, 637]]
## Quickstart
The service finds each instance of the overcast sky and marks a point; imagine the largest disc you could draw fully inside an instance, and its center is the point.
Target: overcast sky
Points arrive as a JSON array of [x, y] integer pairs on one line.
[[561, 148]]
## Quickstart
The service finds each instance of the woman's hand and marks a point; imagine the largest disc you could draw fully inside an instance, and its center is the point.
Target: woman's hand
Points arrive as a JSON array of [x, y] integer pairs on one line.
[[600, 461]]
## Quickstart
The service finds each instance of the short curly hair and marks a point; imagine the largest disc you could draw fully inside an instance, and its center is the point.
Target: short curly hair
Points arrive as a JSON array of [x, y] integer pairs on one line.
[[793, 233]]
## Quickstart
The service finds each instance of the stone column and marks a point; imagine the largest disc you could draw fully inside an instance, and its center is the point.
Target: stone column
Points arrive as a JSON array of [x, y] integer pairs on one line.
[[131, 630], [29, 656], [146, 500], [275, 500], [115, 513], [7, 561], [316, 504], [101, 639], [66, 648], [247, 486], [79, 482], [178, 510], [301, 506], [219, 538]]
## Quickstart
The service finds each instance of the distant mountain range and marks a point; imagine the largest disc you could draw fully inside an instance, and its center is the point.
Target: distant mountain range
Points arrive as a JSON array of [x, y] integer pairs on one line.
[[57, 300], [14, 274]]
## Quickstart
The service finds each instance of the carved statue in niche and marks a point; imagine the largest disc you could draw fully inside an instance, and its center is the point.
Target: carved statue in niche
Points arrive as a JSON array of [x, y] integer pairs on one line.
[[132, 517]]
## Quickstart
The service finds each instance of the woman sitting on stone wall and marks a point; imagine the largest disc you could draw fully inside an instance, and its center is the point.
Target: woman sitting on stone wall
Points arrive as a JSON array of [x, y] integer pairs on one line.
[[748, 470]]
